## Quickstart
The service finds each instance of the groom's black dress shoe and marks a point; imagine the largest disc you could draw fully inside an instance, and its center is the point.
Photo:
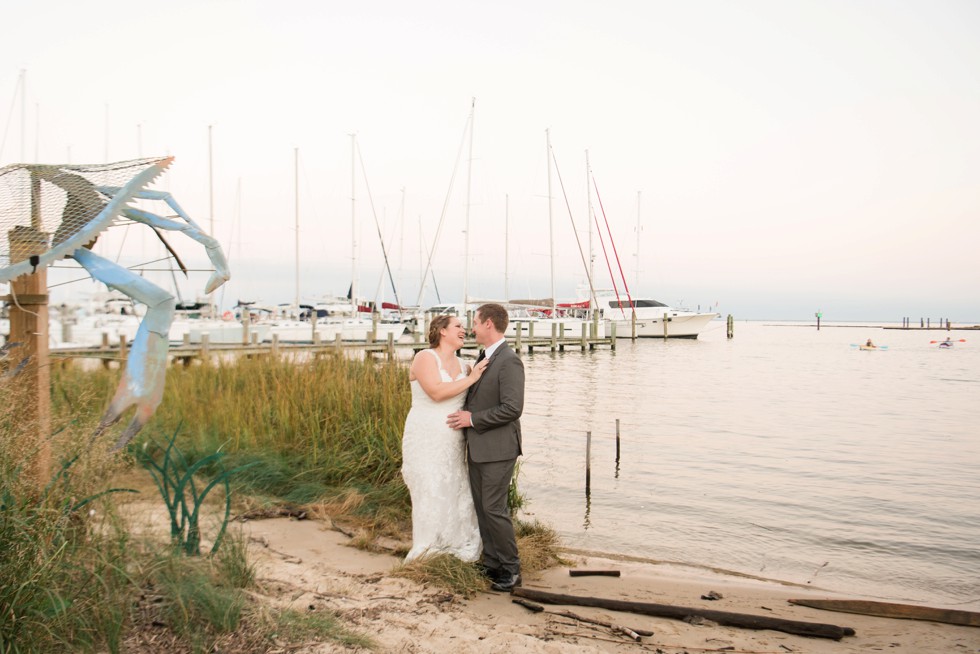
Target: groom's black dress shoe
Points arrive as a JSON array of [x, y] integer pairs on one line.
[[490, 573], [506, 582]]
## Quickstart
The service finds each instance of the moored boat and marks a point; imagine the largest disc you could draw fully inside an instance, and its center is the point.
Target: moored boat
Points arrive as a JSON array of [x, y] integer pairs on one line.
[[654, 319]]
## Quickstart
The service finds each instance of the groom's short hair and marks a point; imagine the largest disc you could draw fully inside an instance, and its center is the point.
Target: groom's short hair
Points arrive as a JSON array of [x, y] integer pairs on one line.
[[496, 314]]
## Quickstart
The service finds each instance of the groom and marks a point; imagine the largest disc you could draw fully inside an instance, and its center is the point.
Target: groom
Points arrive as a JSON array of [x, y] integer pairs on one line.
[[490, 420]]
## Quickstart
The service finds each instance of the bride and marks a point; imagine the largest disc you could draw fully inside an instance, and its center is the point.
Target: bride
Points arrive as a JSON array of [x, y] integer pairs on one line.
[[433, 455]]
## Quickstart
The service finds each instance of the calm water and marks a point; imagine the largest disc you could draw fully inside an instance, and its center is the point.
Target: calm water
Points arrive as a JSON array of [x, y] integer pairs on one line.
[[783, 453]]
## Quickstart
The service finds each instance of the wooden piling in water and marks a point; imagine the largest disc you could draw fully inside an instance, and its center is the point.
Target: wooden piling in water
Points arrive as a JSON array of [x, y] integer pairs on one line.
[[588, 462], [617, 440]]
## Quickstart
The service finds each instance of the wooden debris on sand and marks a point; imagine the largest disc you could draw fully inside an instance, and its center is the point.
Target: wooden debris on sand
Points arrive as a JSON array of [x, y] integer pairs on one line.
[[743, 620], [890, 610], [593, 573]]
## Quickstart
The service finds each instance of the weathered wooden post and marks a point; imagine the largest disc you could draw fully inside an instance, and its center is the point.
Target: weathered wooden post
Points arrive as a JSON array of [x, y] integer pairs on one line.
[[666, 319], [205, 348], [612, 334], [554, 336], [617, 441], [588, 462], [391, 346], [517, 341], [29, 327], [585, 336], [731, 326]]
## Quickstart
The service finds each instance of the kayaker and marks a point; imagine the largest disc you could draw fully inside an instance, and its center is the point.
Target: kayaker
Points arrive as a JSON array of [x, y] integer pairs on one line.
[[870, 344]]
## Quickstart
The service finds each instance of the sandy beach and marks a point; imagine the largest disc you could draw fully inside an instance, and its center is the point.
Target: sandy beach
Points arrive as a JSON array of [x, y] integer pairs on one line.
[[308, 565]]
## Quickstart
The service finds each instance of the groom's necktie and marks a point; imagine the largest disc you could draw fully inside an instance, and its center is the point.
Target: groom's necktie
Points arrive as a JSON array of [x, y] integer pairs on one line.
[[483, 355]]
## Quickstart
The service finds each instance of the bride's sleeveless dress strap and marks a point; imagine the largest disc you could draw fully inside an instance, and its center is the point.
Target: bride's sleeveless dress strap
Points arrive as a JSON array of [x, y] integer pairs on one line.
[[436, 355]]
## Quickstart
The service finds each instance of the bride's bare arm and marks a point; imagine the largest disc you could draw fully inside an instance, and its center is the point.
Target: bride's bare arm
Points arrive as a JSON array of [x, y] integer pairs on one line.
[[426, 371]]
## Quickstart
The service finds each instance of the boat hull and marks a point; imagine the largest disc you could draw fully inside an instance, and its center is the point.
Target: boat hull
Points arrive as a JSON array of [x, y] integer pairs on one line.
[[679, 325]]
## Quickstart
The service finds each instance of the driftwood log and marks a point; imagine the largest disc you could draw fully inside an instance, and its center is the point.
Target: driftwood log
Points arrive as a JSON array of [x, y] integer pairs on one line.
[[743, 620], [593, 573], [890, 610]]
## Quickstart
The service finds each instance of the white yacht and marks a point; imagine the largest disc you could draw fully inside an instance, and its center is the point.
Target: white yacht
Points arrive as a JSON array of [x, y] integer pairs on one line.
[[654, 319]]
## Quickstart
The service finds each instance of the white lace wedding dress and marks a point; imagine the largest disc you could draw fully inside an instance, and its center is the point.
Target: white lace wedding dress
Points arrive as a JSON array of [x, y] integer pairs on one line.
[[434, 469]]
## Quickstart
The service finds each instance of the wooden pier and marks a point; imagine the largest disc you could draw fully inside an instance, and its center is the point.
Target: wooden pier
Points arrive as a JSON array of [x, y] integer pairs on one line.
[[186, 352]]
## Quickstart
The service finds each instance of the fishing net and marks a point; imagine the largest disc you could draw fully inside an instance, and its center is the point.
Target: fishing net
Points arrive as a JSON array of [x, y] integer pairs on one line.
[[49, 211]]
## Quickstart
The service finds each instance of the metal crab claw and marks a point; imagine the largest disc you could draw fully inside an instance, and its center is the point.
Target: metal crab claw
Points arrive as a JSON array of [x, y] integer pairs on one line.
[[146, 366]]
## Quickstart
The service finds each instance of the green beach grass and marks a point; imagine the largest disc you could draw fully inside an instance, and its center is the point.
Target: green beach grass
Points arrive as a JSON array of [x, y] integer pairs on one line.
[[325, 434]]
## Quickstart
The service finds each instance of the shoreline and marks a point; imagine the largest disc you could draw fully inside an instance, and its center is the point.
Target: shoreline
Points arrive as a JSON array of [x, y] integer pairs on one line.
[[314, 568]]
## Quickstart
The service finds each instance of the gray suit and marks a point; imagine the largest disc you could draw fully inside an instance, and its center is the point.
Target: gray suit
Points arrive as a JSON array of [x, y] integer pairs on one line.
[[496, 402]]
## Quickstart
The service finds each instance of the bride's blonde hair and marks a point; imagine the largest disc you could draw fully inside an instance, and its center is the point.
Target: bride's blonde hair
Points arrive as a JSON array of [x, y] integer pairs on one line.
[[438, 324]]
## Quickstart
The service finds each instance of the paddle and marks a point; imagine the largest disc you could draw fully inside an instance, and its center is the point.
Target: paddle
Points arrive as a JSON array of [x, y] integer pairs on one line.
[[876, 347], [959, 340]]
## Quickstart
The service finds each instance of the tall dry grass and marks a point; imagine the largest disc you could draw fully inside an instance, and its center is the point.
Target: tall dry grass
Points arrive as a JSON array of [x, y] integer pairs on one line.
[[64, 584], [326, 429]]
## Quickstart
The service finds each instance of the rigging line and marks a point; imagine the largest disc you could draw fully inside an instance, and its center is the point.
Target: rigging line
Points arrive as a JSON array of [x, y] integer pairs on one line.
[[445, 205], [123, 242], [381, 238], [82, 279], [605, 255], [574, 230], [613, 243], [433, 273], [10, 114]]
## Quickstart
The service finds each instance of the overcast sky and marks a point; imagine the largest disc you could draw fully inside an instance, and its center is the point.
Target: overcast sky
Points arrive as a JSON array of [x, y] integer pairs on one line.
[[778, 157]]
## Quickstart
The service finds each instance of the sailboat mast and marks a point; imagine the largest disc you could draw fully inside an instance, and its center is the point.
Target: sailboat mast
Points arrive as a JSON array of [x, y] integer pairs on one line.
[[466, 248], [210, 200], [296, 218], [353, 226], [636, 270], [588, 216], [507, 248], [23, 114], [551, 228]]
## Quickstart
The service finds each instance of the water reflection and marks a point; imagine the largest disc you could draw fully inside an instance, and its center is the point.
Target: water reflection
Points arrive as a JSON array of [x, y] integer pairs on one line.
[[762, 448]]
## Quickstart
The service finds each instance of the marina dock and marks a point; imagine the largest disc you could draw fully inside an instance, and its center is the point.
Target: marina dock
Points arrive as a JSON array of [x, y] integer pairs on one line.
[[390, 349]]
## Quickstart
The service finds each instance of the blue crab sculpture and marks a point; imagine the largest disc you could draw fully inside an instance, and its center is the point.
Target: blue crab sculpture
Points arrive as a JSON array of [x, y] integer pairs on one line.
[[61, 210]]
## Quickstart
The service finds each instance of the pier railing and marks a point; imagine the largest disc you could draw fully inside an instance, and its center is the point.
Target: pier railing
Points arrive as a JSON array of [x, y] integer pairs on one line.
[[185, 352]]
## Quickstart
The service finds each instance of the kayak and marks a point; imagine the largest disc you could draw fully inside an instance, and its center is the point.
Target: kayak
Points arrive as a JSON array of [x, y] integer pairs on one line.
[[868, 347]]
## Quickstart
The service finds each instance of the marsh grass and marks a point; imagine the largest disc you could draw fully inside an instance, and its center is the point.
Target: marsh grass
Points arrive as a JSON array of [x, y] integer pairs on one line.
[[72, 579], [537, 545], [325, 434], [294, 626], [198, 599], [64, 584], [444, 571]]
